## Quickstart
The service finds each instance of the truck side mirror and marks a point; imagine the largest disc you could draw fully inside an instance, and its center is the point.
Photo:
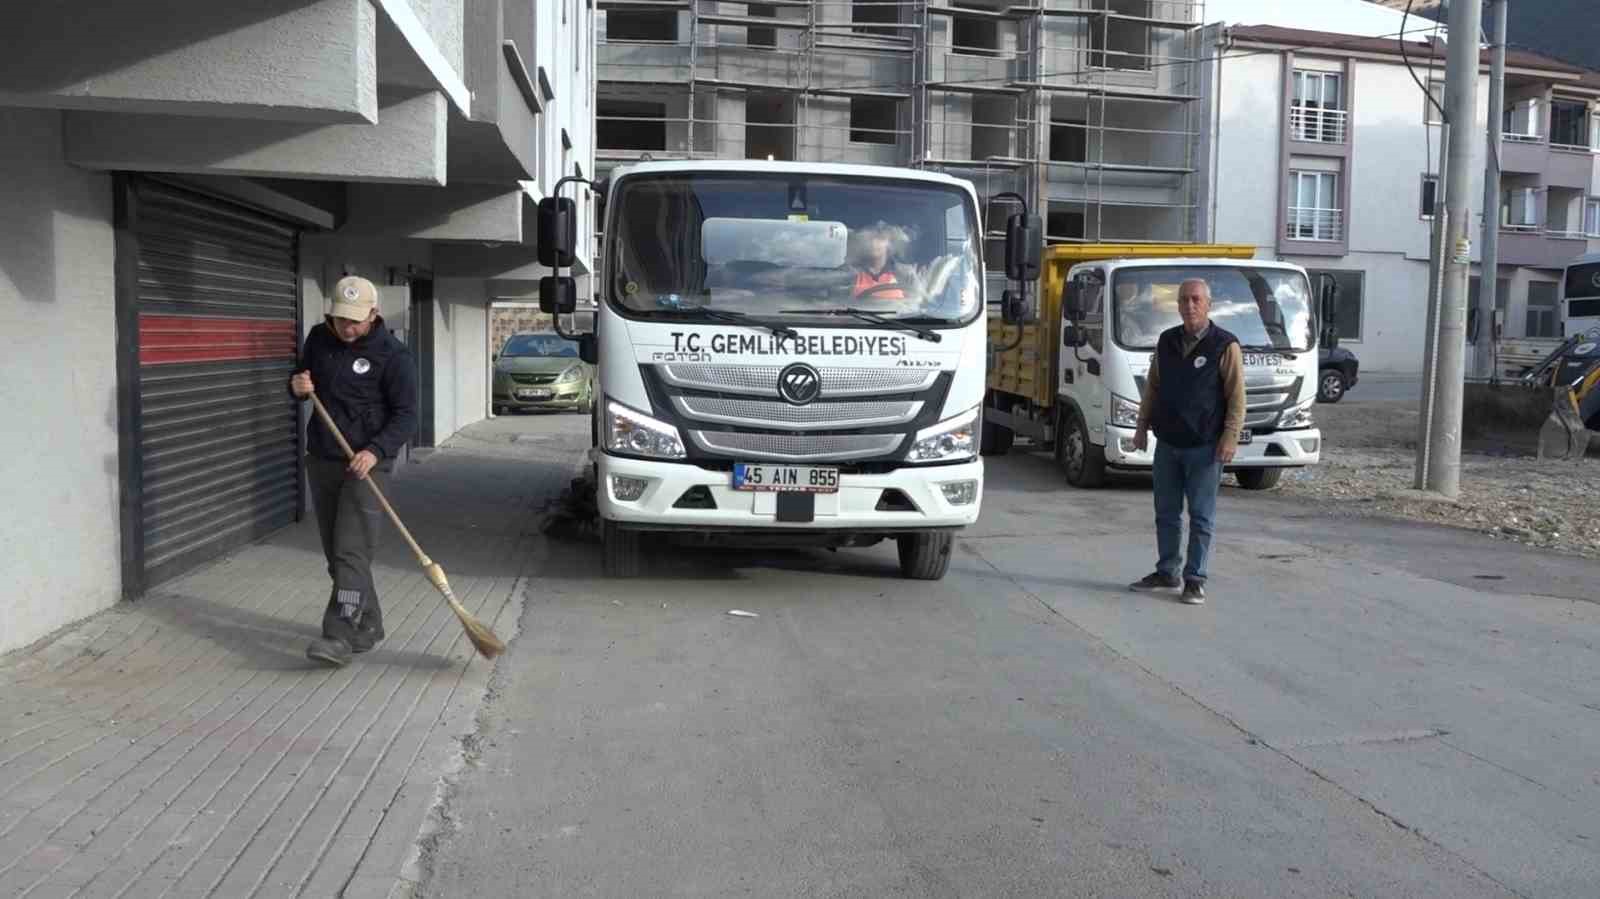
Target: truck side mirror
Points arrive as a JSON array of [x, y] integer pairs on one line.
[[558, 232], [558, 296], [1014, 307], [589, 349], [1024, 245], [1072, 302], [1328, 307], [1072, 336]]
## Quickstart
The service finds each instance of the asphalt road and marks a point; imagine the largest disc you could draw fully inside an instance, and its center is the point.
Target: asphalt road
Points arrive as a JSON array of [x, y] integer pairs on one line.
[[1363, 709]]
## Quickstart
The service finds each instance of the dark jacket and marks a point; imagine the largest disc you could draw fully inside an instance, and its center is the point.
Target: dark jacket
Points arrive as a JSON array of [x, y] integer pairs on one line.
[[1191, 404], [369, 388]]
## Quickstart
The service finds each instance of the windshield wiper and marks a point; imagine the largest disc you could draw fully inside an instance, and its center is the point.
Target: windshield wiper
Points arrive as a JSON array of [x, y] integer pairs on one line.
[[732, 318], [868, 315]]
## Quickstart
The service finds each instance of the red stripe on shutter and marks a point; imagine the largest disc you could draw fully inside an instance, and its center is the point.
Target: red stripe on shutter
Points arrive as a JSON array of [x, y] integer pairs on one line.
[[168, 339]]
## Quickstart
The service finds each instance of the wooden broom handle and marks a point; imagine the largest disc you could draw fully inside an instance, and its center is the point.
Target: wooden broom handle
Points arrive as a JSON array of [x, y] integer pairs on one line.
[[349, 453]]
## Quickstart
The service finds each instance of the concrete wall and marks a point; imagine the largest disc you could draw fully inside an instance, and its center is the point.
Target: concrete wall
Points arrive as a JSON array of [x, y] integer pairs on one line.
[[461, 356], [60, 549]]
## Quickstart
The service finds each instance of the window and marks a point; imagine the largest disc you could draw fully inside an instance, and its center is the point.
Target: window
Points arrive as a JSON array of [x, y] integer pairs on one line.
[[1316, 112], [873, 120], [1521, 120], [1352, 285], [1594, 132], [769, 128], [761, 36], [1069, 141], [1520, 209], [1542, 321], [1430, 112], [974, 36], [1121, 40], [1314, 212], [658, 25], [1591, 217], [1430, 194], [630, 125], [1569, 123], [1060, 225], [875, 17]]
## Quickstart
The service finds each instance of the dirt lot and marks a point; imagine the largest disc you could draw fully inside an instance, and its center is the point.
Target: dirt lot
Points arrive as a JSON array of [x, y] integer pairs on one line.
[[1370, 453]]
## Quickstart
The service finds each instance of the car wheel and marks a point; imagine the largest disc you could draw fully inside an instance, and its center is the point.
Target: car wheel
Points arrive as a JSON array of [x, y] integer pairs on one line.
[[1083, 463], [1258, 478], [1330, 385], [925, 557]]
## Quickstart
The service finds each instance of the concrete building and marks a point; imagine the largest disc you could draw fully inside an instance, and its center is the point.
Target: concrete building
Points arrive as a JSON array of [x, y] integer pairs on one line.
[[181, 189], [1088, 108], [1323, 150]]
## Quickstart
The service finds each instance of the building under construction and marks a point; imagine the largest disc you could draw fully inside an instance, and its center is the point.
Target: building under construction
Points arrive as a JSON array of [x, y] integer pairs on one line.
[[1089, 108]]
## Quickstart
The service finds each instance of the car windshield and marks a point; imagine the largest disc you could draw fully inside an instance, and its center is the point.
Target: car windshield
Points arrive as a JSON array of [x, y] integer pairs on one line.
[[1265, 308], [540, 345], [791, 246]]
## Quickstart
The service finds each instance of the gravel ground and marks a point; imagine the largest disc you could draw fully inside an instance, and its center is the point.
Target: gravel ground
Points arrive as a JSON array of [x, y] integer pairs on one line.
[[1370, 454]]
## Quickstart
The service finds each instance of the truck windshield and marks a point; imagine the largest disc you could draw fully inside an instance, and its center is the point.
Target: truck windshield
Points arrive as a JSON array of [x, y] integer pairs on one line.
[[793, 246], [1265, 308]]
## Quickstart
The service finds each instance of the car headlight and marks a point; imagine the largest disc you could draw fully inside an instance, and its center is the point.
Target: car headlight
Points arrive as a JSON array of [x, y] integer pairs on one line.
[[949, 440], [1124, 412], [1298, 416], [637, 434], [570, 375]]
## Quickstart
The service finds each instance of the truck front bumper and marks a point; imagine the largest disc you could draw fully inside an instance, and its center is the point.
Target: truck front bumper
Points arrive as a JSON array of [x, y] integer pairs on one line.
[[1275, 449], [860, 505]]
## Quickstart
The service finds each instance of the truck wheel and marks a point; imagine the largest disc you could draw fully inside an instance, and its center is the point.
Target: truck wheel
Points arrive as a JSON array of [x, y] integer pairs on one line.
[[1258, 478], [619, 551], [1330, 386], [925, 557], [1082, 461]]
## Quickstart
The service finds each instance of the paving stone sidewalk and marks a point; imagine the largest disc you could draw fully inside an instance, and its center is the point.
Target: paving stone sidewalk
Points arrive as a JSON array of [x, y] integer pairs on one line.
[[182, 745]]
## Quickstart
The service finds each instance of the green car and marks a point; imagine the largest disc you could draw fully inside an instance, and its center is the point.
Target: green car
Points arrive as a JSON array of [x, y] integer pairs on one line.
[[541, 371]]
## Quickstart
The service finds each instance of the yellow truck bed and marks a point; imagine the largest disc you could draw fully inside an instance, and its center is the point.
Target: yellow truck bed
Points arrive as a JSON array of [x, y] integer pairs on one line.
[[1028, 369]]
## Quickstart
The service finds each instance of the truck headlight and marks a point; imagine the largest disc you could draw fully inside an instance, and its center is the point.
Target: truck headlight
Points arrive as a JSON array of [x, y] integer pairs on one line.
[[1124, 412], [949, 440], [570, 375], [1298, 416], [637, 434]]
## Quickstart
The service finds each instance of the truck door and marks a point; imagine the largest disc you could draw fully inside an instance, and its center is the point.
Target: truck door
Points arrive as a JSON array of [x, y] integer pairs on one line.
[[1083, 343]]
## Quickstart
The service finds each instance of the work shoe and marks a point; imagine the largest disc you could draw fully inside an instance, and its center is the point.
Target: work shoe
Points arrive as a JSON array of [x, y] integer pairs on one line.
[[1156, 581], [330, 650], [366, 637], [1194, 594]]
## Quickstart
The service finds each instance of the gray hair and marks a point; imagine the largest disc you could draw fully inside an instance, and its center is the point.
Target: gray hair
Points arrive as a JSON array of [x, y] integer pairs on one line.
[[1204, 287]]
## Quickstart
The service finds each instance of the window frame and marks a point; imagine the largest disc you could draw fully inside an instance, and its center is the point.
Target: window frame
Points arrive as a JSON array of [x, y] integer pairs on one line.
[[1361, 299], [1296, 208]]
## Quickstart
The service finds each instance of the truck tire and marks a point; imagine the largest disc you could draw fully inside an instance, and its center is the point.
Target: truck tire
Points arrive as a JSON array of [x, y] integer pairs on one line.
[[1258, 478], [1083, 463], [620, 554], [925, 557]]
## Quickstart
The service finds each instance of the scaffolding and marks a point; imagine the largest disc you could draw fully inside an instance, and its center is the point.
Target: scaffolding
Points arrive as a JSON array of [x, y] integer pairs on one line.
[[1088, 108]]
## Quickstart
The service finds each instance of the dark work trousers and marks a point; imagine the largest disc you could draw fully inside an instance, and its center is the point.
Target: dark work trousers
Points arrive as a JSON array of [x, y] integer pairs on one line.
[[349, 519]]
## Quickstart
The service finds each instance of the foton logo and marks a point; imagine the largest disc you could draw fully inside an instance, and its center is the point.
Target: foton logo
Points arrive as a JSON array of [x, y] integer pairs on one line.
[[799, 383]]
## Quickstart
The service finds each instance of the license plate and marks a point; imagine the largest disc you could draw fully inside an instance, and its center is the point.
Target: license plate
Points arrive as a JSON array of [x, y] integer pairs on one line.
[[1262, 360], [1245, 436], [533, 393], [763, 477]]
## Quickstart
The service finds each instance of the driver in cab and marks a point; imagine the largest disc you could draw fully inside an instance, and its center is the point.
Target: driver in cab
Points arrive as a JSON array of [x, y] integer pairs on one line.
[[874, 249]]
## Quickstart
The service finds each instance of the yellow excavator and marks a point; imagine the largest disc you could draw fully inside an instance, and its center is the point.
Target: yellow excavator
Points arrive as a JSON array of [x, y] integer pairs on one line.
[[1572, 374]]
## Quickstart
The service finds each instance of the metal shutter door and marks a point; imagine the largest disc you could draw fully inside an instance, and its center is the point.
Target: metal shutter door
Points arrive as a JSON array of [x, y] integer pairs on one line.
[[217, 437]]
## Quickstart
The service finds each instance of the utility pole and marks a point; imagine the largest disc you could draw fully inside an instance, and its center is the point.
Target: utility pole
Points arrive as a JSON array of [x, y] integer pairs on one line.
[[1439, 461], [1489, 277]]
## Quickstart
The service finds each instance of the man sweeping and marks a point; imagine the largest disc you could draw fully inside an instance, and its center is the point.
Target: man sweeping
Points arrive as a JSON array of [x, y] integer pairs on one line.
[[367, 379]]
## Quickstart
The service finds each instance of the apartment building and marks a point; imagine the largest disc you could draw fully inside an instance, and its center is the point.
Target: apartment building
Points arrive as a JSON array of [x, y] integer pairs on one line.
[[1088, 108], [181, 188], [1322, 149]]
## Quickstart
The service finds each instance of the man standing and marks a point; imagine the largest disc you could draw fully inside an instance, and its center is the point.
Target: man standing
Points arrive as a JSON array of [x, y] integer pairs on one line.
[[367, 379], [1194, 401]]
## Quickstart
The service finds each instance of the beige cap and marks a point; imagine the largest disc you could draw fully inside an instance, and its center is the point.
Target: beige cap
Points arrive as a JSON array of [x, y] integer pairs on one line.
[[354, 298]]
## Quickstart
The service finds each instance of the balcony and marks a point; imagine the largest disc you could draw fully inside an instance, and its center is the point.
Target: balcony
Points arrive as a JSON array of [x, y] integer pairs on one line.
[[1315, 124], [1314, 223]]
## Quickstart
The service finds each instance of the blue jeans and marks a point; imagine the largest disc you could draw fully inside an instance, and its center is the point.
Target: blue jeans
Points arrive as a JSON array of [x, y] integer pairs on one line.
[[1192, 475]]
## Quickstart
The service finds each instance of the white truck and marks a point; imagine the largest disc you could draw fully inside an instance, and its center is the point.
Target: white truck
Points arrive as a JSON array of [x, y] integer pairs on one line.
[[787, 354], [1074, 377]]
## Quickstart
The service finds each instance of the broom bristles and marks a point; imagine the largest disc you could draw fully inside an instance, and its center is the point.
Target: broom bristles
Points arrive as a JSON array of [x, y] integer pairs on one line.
[[483, 639]]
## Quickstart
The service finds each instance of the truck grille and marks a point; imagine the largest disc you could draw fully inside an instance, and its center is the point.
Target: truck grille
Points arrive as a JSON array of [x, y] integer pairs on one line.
[[762, 380], [777, 416], [797, 448]]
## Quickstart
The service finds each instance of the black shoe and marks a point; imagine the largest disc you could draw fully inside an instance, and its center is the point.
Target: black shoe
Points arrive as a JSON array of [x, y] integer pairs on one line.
[[329, 650], [366, 637], [1194, 594], [1156, 581]]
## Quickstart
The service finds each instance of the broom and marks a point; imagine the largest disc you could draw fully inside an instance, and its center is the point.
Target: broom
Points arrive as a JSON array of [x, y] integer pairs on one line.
[[483, 639]]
